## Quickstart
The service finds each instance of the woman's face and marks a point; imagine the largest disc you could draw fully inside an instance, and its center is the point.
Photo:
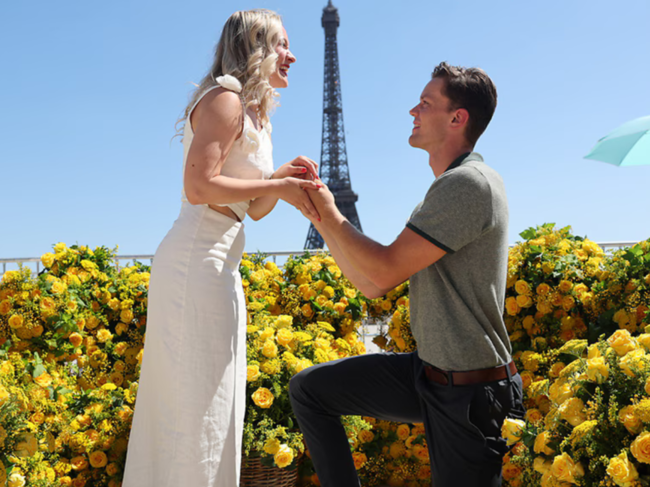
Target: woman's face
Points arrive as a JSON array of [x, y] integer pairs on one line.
[[280, 78]]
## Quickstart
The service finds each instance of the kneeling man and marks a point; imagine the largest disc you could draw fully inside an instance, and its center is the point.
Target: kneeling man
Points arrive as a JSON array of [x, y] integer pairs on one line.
[[461, 383]]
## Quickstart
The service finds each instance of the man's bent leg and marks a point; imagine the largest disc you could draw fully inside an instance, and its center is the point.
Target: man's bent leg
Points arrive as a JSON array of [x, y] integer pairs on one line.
[[463, 426], [376, 385]]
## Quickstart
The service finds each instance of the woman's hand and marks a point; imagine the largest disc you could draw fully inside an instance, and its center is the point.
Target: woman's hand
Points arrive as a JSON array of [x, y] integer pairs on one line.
[[301, 167], [294, 191]]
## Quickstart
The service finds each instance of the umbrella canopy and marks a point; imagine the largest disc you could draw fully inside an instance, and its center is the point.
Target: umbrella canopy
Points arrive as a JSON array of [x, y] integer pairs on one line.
[[628, 145]]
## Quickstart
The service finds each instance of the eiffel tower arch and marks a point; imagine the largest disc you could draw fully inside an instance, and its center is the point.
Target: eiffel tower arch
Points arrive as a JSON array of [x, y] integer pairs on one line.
[[334, 169]]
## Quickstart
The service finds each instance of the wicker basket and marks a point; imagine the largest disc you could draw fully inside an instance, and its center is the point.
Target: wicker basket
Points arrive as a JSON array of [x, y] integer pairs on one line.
[[254, 474]]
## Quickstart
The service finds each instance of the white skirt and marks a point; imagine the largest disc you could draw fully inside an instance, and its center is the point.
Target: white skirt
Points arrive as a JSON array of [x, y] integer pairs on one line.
[[189, 412]]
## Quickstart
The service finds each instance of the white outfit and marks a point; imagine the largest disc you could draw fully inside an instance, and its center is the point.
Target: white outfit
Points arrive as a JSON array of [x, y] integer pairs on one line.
[[189, 412]]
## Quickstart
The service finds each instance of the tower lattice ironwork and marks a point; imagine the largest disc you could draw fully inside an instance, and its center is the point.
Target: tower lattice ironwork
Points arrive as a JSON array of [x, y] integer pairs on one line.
[[334, 169]]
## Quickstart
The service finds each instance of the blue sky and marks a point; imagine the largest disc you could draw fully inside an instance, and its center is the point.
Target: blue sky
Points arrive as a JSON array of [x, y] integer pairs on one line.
[[90, 92]]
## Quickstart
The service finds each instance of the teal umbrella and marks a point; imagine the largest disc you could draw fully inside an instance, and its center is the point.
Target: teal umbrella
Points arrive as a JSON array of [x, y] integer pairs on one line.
[[628, 145]]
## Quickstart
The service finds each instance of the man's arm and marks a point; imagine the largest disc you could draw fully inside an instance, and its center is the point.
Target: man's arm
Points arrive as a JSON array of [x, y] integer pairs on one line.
[[360, 281], [384, 266]]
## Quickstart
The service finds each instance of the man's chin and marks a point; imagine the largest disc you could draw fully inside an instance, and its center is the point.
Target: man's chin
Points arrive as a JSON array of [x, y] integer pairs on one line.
[[413, 142]]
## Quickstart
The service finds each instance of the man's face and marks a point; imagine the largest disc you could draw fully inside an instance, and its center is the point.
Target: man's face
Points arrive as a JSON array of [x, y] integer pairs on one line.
[[432, 117]]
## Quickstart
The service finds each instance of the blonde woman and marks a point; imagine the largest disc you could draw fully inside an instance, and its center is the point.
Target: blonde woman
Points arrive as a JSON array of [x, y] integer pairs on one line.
[[189, 413]]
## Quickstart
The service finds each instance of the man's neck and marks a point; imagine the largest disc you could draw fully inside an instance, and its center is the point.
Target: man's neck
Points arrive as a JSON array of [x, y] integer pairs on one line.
[[442, 159]]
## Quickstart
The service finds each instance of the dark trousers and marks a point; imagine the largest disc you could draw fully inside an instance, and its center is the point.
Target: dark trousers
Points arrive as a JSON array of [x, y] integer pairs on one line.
[[463, 423]]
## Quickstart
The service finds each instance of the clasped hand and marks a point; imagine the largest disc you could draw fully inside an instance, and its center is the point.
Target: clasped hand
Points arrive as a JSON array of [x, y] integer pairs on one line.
[[304, 190]]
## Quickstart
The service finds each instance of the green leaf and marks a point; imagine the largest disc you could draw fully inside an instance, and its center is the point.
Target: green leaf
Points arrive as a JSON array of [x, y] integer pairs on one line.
[[528, 234], [316, 305], [39, 369]]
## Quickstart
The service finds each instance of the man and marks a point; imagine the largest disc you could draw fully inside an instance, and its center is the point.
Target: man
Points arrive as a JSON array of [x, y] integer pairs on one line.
[[461, 383]]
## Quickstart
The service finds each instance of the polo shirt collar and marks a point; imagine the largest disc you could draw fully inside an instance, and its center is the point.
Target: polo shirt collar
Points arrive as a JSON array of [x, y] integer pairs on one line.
[[467, 156]]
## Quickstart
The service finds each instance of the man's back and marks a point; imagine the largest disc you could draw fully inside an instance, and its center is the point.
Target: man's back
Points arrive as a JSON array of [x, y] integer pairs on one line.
[[457, 303]]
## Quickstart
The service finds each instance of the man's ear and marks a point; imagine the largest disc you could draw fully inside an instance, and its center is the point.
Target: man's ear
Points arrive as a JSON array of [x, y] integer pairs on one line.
[[461, 117]]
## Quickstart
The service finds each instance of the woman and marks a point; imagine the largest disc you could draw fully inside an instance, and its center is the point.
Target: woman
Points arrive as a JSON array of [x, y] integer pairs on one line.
[[189, 413]]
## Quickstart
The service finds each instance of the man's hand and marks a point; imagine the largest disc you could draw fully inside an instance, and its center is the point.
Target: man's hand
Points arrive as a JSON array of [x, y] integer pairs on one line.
[[325, 203]]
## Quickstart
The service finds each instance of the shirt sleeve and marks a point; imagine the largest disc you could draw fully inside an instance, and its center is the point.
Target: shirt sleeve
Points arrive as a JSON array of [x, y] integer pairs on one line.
[[456, 210]]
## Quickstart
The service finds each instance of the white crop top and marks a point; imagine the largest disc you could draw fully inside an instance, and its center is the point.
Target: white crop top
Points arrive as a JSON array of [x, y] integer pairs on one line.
[[251, 156]]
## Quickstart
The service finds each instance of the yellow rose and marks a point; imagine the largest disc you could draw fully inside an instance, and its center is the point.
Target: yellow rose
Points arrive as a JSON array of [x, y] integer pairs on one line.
[[568, 303], [566, 470], [524, 301], [541, 443], [103, 335], [26, 446], [283, 321], [530, 360], [644, 340], [306, 310], [421, 453], [272, 446], [47, 259], [16, 479], [543, 289], [284, 336], [44, 380], [359, 459], [98, 459], [5, 307], [597, 370], [630, 420], [522, 287], [572, 411], [511, 474], [560, 391], [580, 289], [541, 465], [270, 349], [79, 463], [398, 449], [112, 469], [283, 457], [633, 362], [593, 351], [263, 398], [646, 388], [267, 333], [302, 364], [403, 431], [76, 339], [622, 342], [622, 471], [16, 321], [533, 415], [60, 248], [126, 315], [58, 287], [511, 430], [328, 291], [640, 447], [366, 436], [252, 373], [511, 306]]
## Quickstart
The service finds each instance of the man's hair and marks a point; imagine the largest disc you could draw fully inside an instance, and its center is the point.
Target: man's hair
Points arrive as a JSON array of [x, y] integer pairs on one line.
[[471, 89]]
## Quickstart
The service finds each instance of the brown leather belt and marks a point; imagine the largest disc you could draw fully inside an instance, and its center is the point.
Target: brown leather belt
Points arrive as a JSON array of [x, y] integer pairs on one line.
[[469, 377]]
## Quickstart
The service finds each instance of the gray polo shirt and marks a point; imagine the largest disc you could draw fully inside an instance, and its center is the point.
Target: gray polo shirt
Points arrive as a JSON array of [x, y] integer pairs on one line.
[[457, 303]]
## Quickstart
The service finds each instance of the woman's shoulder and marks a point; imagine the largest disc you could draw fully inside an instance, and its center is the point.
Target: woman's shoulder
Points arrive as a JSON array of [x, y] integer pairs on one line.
[[218, 106]]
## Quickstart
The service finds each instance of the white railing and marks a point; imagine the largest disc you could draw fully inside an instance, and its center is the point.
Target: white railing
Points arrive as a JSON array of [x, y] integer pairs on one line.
[[142, 258], [606, 246]]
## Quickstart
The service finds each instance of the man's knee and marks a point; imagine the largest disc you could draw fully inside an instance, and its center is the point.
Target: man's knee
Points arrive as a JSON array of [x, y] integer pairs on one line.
[[304, 384]]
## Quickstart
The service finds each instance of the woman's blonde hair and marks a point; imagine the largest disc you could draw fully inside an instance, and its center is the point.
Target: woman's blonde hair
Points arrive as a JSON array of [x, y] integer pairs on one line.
[[246, 50]]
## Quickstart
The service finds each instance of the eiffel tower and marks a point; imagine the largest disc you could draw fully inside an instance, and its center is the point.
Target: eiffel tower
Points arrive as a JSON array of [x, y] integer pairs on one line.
[[333, 157]]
